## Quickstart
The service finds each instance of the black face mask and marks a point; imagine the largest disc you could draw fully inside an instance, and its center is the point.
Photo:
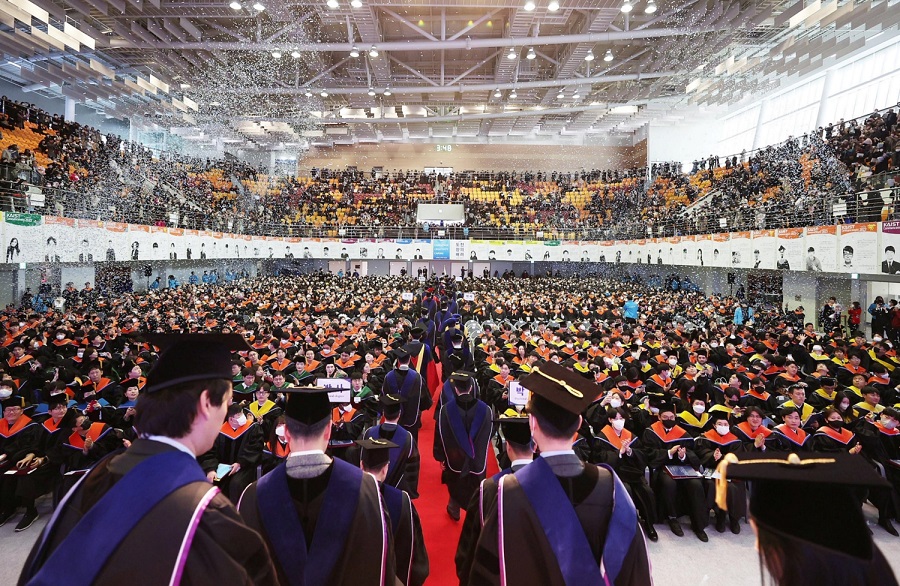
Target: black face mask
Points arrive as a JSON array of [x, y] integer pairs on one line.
[[86, 424], [838, 424], [669, 423]]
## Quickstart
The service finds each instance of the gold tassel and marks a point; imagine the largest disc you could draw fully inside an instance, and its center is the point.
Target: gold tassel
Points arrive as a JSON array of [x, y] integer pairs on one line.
[[729, 459]]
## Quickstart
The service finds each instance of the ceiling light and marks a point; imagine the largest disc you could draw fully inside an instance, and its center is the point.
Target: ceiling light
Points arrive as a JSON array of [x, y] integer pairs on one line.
[[323, 93], [531, 53], [609, 56], [235, 5], [513, 95], [373, 52], [295, 54], [560, 95], [356, 3], [512, 54], [387, 91], [354, 52], [307, 93], [651, 7], [627, 6], [258, 7], [371, 91], [589, 56], [553, 6], [276, 54], [529, 5], [575, 96], [497, 93], [332, 4]]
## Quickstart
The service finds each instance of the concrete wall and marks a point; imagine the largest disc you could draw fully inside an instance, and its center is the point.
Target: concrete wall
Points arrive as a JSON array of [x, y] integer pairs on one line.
[[504, 157]]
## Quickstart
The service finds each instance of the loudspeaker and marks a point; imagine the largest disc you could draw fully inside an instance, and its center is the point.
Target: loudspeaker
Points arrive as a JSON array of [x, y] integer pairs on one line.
[[148, 271], [731, 278]]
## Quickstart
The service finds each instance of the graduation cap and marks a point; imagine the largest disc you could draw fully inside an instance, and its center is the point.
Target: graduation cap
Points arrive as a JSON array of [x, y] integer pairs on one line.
[[58, 399], [307, 405], [461, 379], [416, 332], [789, 494], [559, 395], [191, 357], [14, 401], [515, 427], [391, 404], [401, 354], [375, 452]]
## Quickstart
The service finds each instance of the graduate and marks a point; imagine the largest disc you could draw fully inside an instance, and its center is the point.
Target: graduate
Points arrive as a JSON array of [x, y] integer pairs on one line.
[[156, 492], [711, 447], [403, 468], [408, 384], [462, 438], [596, 535], [239, 446], [411, 559], [797, 543], [322, 518]]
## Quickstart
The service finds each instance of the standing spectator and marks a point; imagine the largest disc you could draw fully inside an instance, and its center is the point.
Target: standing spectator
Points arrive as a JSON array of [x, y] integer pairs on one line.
[[854, 315], [880, 316]]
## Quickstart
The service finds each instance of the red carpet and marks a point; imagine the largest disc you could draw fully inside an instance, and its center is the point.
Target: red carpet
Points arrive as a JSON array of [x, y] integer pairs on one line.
[[440, 531]]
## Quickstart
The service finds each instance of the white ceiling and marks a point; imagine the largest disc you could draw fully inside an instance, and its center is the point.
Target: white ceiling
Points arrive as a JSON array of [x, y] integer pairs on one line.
[[207, 70]]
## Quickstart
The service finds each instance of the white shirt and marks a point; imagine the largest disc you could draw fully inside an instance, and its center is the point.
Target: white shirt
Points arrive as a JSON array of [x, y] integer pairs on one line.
[[172, 442], [521, 462], [557, 453], [306, 453]]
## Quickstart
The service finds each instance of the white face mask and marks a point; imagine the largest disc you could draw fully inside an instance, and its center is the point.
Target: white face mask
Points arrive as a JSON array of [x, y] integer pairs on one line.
[[673, 362], [457, 346], [279, 431], [60, 336], [618, 344], [888, 423], [618, 424], [615, 402], [346, 408], [569, 345], [722, 429], [877, 338], [5, 393], [699, 408], [241, 420], [713, 344]]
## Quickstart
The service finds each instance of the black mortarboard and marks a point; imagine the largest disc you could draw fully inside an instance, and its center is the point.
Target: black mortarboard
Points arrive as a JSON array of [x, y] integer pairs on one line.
[[718, 414], [307, 405], [827, 381], [328, 359], [515, 428], [561, 387], [416, 332], [14, 401], [789, 495], [58, 399], [191, 357], [457, 336], [401, 354], [375, 453], [461, 377]]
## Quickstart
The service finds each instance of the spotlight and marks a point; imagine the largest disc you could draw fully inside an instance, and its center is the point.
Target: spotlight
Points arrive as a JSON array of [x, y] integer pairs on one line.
[[387, 91], [589, 56], [627, 6], [609, 56], [235, 5], [371, 91], [553, 6], [560, 95], [651, 7], [295, 54], [258, 7], [497, 93], [512, 54], [531, 53], [513, 95], [308, 93], [354, 52], [529, 5], [332, 4], [373, 52], [575, 96], [276, 54], [356, 3], [323, 93]]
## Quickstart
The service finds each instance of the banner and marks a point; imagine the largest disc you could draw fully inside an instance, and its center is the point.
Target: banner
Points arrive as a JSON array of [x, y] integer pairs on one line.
[[821, 249], [859, 248], [890, 243]]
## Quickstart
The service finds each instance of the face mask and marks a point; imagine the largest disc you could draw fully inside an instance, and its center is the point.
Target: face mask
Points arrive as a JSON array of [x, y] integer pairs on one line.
[[837, 424], [722, 429], [699, 409], [713, 344], [569, 345], [635, 354], [80, 353], [279, 431], [673, 362], [403, 367], [618, 424], [615, 402], [845, 406], [86, 424], [888, 423], [484, 340], [241, 420], [5, 393], [668, 423], [877, 338], [457, 346], [60, 336], [618, 344]]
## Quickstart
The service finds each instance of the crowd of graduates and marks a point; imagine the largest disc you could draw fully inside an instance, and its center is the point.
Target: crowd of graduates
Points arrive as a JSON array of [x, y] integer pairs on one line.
[[678, 384]]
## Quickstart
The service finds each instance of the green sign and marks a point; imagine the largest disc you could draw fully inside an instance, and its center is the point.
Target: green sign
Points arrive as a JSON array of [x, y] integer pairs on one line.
[[551, 243], [22, 219]]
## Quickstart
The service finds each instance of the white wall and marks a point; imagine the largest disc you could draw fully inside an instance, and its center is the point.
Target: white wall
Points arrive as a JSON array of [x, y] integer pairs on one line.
[[684, 142]]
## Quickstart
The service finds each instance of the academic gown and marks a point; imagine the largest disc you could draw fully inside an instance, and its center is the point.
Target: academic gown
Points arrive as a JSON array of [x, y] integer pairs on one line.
[[403, 467], [358, 552], [410, 555], [518, 519], [656, 442], [244, 446], [410, 386], [706, 446], [222, 551], [629, 468], [461, 441]]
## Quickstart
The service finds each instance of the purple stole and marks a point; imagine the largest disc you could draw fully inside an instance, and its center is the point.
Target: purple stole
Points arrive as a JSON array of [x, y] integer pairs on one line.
[[393, 453], [404, 390], [466, 439], [564, 532], [112, 518], [285, 532], [393, 502]]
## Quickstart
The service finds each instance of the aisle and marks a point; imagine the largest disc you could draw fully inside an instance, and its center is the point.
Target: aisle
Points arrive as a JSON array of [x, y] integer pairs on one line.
[[440, 531]]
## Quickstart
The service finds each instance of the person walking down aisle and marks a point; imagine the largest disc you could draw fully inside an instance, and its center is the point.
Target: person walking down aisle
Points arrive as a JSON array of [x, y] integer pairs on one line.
[[558, 521], [155, 493]]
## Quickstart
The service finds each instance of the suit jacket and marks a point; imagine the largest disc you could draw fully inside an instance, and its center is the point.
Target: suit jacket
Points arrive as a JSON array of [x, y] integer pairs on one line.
[[890, 268]]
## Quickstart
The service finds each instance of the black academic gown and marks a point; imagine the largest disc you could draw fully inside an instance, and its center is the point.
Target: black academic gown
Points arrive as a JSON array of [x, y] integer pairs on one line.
[[360, 560], [243, 446], [411, 387], [410, 555], [403, 468], [223, 550], [530, 558], [461, 428]]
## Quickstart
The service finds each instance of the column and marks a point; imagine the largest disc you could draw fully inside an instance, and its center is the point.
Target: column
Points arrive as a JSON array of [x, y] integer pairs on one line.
[[70, 110]]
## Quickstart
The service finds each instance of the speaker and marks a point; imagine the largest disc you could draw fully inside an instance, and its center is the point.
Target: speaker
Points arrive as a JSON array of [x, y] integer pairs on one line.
[[731, 278], [148, 271]]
